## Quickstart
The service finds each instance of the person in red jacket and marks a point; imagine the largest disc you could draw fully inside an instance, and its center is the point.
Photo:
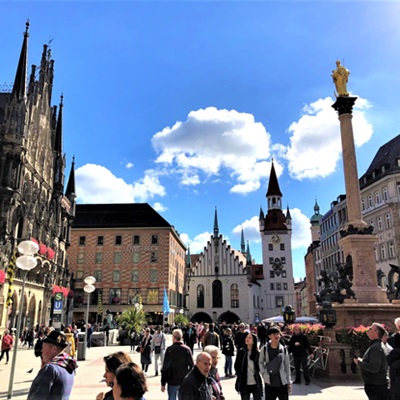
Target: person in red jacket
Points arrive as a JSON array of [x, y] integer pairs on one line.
[[6, 344]]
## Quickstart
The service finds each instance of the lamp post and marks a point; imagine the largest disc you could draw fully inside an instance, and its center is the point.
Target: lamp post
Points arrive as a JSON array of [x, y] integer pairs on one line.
[[26, 262], [289, 315], [89, 288]]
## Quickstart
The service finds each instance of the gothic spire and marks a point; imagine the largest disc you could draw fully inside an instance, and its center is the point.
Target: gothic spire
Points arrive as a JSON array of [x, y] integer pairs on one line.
[[288, 216], [242, 244], [19, 88], [58, 141], [248, 254], [188, 260], [216, 230], [261, 216], [273, 185], [71, 180]]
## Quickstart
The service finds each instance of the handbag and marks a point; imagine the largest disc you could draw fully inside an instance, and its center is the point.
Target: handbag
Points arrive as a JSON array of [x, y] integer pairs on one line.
[[139, 349], [157, 349], [274, 365]]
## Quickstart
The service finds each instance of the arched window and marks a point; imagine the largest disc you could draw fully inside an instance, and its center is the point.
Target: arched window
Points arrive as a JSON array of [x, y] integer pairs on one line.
[[234, 296], [200, 296], [217, 294]]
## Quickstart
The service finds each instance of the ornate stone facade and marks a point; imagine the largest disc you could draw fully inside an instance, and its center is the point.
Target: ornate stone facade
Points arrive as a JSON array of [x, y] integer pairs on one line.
[[32, 200]]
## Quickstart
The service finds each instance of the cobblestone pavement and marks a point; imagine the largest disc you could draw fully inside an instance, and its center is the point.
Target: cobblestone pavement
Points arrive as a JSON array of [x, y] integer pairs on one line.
[[89, 379]]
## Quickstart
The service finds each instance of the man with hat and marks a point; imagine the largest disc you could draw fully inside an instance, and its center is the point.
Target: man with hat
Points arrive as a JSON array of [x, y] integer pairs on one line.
[[56, 378]]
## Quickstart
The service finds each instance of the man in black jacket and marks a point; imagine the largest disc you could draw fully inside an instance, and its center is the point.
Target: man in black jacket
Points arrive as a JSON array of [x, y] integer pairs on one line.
[[190, 336], [197, 385], [178, 361], [300, 347]]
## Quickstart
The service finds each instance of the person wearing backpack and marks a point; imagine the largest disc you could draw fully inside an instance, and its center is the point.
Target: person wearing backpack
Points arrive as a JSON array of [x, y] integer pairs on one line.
[[211, 337], [275, 367]]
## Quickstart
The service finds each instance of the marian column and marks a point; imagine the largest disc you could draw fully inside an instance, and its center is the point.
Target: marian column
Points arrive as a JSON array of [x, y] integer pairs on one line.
[[357, 239]]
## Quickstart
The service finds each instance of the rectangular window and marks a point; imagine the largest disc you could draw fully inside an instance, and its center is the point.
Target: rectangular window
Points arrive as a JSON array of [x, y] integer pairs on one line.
[[118, 240], [115, 296], [98, 275], [271, 260], [363, 204], [285, 286], [283, 260], [278, 286], [82, 240], [369, 200], [272, 286], [377, 197], [383, 252], [153, 275], [79, 276], [81, 258], [283, 274], [152, 296], [100, 240], [98, 258], [136, 239], [391, 250], [270, 247], [153, 257], [117, 257], [388, 219], [136, 257], [154, 239], [116, 276], [385, 194], [279, 301], [135, 275], [271, 274], [379, 223], [282, 246]]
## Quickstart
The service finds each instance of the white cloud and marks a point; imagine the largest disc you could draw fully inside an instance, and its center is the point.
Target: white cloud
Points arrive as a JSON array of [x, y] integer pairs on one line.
[[315, 145], [250, 230], [211, 140], [97, 184], [129, 165], [196, 244], [159, 207]]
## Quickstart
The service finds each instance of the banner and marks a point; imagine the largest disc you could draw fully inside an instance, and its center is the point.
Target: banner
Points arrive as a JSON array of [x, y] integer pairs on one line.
[[10, 279], [166, 309]]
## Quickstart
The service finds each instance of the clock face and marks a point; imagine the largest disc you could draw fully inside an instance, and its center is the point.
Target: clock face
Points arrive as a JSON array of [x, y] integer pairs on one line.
[[275, 238]]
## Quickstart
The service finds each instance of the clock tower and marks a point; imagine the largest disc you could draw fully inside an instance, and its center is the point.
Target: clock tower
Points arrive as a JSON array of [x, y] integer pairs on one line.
[[276, 239]]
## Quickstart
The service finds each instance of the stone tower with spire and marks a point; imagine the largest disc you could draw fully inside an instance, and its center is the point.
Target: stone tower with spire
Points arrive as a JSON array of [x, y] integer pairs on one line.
[[33, 204], [315, 223], [276, 238]]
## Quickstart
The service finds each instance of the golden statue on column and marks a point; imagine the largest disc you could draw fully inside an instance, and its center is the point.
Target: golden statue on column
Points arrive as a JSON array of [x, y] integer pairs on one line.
[[340, 78]]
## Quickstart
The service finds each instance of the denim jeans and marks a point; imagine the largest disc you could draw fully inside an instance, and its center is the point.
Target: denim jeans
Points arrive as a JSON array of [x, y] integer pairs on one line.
[[172, 392], [228, 365]]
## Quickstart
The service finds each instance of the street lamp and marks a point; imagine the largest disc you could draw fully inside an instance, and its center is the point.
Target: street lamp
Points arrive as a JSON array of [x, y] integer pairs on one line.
[[89, 288], [289, 315], [327, 314], [26, 262]]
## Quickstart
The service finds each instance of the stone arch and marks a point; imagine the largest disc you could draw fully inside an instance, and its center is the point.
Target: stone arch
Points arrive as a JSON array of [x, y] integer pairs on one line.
[[201, 317], [31, 312], [229, 317]]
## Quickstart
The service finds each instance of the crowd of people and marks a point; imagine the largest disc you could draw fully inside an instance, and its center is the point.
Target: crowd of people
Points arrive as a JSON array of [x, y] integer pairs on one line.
[[261, 365]]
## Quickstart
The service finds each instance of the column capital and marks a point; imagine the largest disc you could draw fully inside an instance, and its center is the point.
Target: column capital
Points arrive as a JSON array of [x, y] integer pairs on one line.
[[344, 104]]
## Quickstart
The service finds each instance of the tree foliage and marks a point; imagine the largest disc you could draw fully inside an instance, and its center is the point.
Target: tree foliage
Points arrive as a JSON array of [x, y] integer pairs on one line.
[[133, 317], [181, 319]]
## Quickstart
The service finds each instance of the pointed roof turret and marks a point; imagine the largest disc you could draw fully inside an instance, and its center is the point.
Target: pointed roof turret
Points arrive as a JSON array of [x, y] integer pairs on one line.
[[261, 216], [288, 216], [188, 260], [58, 141], [317, 216], [248, 254], [19, 88], [71, 180], [273, 185], [242, 244], [216, 230]]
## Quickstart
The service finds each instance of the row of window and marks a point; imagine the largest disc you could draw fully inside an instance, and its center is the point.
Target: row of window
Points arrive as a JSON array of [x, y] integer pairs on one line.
[[281, 247], [116, 275], [375, 199], [118, 240], [115, 296], [272, 260], [379, 222], [217, 295], [117, 257], [272, 274], [385, 252], [278, 286]]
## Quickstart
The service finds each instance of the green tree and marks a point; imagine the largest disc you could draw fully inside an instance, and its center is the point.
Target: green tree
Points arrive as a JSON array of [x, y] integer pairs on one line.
[[133, 317], [181, 319]]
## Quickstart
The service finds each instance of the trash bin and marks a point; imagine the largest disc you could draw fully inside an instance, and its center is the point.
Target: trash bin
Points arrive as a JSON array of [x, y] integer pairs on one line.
[[81, 346]]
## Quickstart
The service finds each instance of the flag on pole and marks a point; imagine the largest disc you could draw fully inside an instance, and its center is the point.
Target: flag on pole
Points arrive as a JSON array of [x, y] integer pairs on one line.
[[166, 309]]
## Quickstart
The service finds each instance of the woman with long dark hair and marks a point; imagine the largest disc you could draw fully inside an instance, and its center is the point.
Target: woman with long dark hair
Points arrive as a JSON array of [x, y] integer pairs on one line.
[[248, 379]]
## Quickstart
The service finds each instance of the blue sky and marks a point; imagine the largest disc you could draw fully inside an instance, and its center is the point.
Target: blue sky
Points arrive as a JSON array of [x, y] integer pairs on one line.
[[183, 104]]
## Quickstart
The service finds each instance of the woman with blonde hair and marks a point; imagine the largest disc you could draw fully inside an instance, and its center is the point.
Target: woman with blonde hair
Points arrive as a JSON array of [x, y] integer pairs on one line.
[[71, 342]]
